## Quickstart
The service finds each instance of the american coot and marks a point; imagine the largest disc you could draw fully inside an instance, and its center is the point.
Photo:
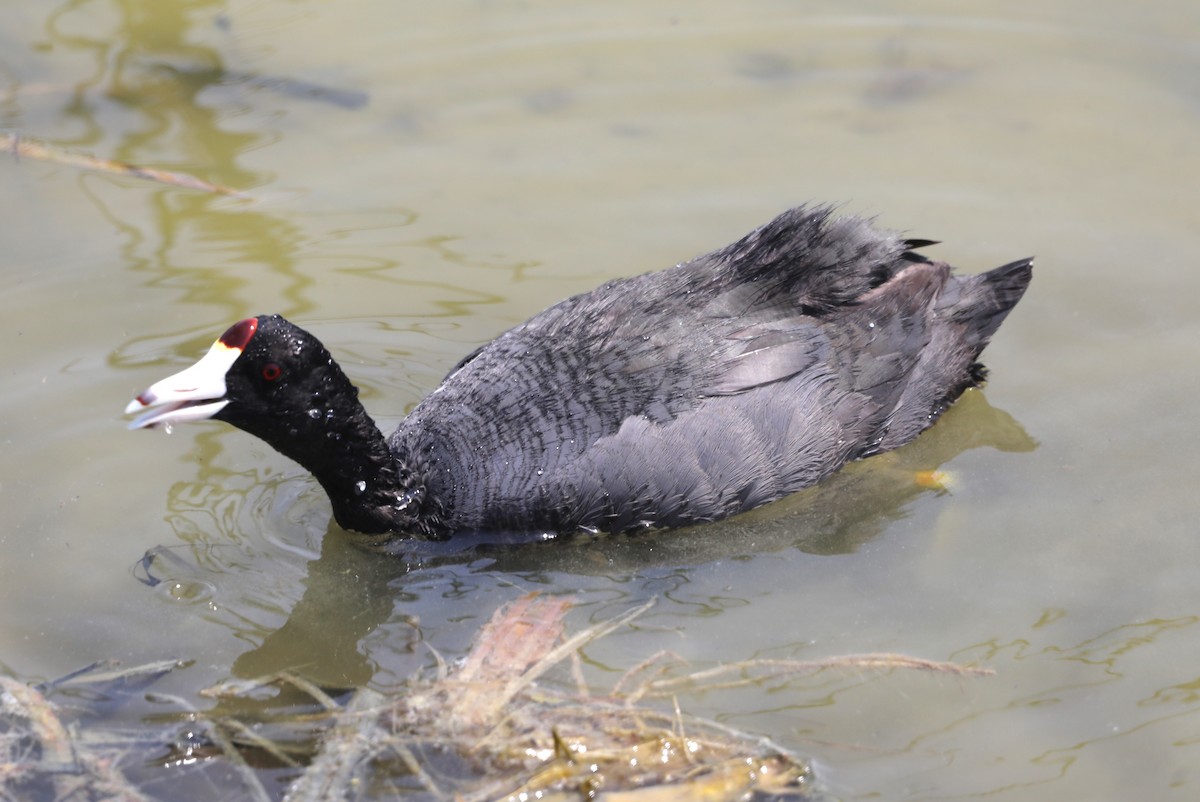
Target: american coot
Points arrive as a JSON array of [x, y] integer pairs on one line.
[[663, 400]]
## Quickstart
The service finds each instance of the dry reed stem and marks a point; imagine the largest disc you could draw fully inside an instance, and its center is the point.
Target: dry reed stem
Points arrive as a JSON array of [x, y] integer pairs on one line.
[[27, 148]]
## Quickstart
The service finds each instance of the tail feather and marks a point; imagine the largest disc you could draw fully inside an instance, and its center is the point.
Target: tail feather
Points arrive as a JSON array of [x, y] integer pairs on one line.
[[982, 302]]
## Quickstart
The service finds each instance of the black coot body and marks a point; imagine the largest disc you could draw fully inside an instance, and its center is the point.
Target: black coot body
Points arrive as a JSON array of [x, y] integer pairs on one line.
[[667, 399]]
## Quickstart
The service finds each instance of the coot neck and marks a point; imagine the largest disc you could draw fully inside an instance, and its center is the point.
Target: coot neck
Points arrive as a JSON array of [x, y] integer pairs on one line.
[[370, 491], [338, 442]]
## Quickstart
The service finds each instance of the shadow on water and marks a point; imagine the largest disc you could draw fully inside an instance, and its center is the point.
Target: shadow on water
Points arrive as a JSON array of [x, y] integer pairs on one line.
[[348, 593]]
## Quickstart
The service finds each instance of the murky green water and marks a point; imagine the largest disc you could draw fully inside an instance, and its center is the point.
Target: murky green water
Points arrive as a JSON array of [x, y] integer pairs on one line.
[[422, 176]]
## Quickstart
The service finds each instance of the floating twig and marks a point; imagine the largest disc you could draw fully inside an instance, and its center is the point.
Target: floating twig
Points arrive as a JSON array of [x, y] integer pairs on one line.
[[23, 147]]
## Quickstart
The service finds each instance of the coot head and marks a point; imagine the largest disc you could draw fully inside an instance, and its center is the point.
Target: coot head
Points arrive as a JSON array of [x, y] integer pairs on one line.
[[263, 375], [276, 381]]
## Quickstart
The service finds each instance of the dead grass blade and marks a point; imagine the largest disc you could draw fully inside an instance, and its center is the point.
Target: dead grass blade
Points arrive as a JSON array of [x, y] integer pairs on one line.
[[748, 672], [38, 753]]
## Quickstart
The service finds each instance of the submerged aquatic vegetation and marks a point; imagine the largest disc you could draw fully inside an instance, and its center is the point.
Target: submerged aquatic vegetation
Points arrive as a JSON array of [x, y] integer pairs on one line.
[[486, 729]]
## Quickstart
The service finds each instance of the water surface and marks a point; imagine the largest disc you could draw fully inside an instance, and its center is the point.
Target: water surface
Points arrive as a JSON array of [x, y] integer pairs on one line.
[[419, 178]]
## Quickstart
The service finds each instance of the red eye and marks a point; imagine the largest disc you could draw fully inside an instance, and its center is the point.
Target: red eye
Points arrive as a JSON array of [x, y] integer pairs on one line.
[[271, 371]]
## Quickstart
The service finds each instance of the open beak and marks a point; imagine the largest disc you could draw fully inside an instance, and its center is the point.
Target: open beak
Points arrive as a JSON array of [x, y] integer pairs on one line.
[[196, 393]]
